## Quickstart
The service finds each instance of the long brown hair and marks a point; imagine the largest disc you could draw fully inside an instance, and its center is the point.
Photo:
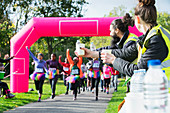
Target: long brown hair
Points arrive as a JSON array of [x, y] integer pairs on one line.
[[146, 10], [122, 24]]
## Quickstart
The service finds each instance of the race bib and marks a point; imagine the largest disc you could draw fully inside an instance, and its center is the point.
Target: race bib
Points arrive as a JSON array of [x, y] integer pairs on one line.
[[52, 69], [66, 69], [75, 71], [96, 65], [106, 76], [40, 70]]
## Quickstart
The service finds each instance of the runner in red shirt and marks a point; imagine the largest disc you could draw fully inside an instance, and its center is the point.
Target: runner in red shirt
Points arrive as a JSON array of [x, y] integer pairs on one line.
[[115, 77], [66, 68]]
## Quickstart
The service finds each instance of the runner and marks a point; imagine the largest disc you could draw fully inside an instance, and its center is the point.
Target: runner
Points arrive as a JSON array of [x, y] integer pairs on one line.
[[89, 68], [38, 75], [75, 67], [66, 68], [84, 78], [95, 76], [107, 72], [53, 73]]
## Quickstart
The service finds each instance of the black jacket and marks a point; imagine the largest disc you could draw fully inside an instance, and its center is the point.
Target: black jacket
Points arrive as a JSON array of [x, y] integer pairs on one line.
[[156, 49], [6, 60]]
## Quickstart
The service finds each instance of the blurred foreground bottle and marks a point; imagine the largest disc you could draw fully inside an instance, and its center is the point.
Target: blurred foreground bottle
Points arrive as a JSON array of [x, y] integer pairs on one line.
[[155, 88]]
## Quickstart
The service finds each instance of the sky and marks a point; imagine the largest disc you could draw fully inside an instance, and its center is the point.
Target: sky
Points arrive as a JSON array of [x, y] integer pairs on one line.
[[99, 8]]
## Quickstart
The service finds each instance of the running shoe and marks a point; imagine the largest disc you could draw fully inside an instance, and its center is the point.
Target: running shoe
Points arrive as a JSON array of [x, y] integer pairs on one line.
[[74, 98], [39, 100], [66, 93], [92, 91], [96, 98], [52, 96], [107, 92], [10, 95]]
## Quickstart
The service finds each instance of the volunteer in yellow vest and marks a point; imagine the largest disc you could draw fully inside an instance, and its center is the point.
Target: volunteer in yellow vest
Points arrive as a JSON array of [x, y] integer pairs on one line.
[[119, 32], [155, 43], [119, 28]]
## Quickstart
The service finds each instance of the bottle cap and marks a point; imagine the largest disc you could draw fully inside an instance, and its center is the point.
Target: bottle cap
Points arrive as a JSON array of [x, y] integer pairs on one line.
[[135, 71], [154, 62], [142, 70]]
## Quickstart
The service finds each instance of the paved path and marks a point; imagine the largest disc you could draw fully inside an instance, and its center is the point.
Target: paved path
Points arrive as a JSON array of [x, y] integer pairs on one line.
[[85, 103]]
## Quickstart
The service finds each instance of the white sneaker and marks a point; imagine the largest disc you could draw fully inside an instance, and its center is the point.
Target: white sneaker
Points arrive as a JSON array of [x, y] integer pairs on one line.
[[92, 91]]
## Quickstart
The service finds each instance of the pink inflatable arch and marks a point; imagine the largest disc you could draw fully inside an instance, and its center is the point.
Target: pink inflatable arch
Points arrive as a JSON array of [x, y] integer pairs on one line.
[[50, 27]]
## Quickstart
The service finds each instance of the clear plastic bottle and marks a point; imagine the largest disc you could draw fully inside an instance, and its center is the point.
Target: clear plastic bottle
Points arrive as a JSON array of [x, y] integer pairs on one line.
[[155, 88], [92, 47], [137, 81], [78, 46], [133, 81]]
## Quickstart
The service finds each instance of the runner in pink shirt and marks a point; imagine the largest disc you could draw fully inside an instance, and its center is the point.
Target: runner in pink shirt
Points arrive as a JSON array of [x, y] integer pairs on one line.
[[107, 72]]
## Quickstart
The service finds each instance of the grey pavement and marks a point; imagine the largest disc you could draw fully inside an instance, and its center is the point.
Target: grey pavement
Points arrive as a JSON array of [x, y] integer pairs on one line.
[[85, 103]]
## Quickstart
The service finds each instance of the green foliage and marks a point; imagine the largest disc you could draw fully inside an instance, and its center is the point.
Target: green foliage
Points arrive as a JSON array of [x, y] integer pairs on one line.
[[21, 11], [24, 98], [164, 19], [6, 32], [117, 11], [101, 41]]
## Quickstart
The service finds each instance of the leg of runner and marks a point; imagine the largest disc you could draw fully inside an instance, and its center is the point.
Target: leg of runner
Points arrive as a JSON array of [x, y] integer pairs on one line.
[[97, 84], [54, 81], [41, 82]]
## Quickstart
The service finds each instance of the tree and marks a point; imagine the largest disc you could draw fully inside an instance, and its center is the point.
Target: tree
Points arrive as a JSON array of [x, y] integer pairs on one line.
[[23, 10], [6, 32], [117, 11], [164, 19], [58, 8]]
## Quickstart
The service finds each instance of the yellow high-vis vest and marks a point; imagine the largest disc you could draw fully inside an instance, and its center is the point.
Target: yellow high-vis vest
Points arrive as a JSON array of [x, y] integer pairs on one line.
[[166, 36], [131, 37]]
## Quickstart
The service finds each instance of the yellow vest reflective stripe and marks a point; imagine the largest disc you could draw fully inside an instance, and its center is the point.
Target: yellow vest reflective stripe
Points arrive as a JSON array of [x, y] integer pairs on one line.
[[166, 36], [131, 37]]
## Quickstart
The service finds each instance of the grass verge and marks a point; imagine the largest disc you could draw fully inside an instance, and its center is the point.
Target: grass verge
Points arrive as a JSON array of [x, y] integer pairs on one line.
[[117, 98], [24, 98]]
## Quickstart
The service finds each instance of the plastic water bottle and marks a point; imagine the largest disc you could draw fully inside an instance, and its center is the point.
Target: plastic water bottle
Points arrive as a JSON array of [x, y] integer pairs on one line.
[[137, 81], [133, 82], [134, 99], [92, 47], [78, 46], [155, 88]]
